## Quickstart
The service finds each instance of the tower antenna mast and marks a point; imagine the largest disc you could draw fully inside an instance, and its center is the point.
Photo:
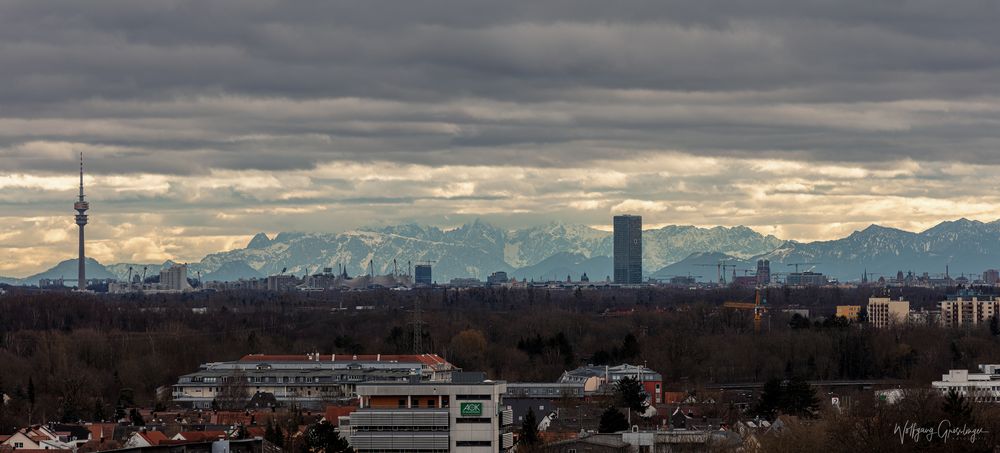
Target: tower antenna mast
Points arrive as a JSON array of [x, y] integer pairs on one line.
[[81, 207]]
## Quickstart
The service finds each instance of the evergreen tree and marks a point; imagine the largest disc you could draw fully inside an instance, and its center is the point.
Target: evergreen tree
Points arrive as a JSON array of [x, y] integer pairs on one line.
[[136, 418], [98, 414], [274, 435], [630, 393], [770, 399], [799, 398], [612, 421], [529, 429], [323, 438], [630, 348], [958, 408]]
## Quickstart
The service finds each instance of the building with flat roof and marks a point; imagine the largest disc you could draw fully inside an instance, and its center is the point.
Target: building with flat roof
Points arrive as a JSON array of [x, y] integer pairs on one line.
[[602, 378], [174, 278], [980, 387], [628, 249], [544, 390], [464, 416], [282, 282], [851, 312], [884, 312], [806, 279], [968, 309], [307, 380], [423, 274]]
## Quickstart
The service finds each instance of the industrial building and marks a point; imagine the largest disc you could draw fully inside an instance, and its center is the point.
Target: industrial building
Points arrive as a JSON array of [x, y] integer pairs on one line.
[[467, 415], [307, 380], [628, 249], [174, 278]]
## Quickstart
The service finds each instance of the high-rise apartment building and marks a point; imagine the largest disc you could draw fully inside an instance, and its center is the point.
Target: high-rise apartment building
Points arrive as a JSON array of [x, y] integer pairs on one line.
[[628, 249], [885, 312], [968, 310]]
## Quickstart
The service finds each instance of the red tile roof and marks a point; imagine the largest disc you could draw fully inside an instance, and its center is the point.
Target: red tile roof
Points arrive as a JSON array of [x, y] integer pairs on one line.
[[333, 413], [195, 436], [154, 437], [426, 359], [101, 430]]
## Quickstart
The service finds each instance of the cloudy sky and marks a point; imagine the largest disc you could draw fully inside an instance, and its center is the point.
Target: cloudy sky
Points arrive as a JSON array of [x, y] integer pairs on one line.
[[204, 122]]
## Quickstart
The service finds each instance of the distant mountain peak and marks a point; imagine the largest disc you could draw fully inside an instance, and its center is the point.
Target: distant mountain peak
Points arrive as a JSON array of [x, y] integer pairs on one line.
[[259, 241]]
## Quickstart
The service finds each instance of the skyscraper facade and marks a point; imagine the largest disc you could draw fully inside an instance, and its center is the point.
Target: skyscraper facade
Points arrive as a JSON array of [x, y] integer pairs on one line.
[[628, 249]]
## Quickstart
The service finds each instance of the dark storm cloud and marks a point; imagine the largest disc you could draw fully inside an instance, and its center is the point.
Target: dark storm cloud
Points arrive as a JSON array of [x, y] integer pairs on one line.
[[183, 87]]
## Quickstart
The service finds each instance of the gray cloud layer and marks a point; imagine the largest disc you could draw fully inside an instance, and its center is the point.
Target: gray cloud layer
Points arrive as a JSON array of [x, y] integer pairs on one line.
[[898, 101]]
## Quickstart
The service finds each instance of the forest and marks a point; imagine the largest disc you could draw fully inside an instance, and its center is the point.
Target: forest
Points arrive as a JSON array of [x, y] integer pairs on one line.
[[70, 357]]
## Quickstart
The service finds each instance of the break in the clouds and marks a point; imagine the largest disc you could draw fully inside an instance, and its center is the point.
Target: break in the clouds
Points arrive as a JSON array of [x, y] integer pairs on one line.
[[204, 122]]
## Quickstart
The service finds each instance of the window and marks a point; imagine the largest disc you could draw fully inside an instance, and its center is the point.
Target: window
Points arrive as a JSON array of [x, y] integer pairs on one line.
[[430, 403], [473, 443], [472, 420], [402, 402], [18, 444], [472, 397]]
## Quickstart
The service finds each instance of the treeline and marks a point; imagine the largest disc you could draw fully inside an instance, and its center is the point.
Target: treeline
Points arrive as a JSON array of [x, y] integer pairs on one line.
[[88, 357]]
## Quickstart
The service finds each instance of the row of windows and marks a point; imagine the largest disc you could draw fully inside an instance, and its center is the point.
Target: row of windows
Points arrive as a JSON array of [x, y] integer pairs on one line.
[[473, 443], [472, 420], [294, 379], [405, 428], [473, 397]]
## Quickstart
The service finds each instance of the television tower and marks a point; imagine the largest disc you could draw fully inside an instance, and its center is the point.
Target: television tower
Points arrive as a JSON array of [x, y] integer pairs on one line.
[[81, 207]]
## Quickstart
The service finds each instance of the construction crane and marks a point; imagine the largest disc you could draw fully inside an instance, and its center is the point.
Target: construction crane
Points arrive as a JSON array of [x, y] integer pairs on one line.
[[720, 270], [802, 264], [759, 308]]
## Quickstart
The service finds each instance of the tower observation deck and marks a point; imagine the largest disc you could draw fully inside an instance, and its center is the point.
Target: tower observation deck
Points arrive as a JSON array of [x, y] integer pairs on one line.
[[81, 207]]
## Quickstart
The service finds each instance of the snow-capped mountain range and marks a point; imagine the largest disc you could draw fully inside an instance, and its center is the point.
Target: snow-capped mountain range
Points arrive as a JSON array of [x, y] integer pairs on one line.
[[556, 250]]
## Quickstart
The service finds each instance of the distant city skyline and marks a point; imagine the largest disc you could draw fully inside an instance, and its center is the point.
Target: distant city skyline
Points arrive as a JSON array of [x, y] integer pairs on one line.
[[203, 126]]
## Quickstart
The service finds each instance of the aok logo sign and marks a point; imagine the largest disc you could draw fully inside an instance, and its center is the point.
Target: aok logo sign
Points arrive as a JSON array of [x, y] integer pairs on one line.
[[467, 409]]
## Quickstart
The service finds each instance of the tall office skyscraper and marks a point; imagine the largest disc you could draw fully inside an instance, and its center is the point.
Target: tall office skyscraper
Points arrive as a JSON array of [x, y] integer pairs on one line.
[[628, 249]]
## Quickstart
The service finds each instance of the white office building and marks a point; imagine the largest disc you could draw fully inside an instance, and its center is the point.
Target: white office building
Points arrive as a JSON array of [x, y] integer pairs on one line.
[[463, 416], [981, 387]]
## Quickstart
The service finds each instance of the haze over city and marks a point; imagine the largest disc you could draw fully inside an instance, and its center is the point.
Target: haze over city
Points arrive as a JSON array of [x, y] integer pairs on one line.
[[204, 124]]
